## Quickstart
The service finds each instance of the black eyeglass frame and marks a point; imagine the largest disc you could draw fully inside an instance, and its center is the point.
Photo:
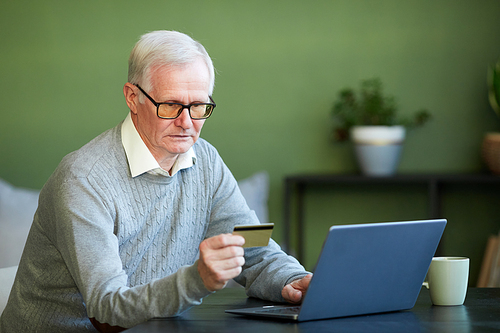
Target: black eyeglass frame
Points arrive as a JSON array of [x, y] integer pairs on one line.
[[182, 105]]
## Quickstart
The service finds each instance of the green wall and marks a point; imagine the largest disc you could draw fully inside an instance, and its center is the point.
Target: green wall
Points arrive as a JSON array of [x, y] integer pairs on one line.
[[280, 65]]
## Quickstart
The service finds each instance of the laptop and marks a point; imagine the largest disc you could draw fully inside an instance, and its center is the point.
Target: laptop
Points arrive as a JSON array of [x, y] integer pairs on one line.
[[364, 269]]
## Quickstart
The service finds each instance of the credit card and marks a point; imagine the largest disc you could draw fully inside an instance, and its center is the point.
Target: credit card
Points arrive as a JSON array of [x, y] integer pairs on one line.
[[255, 234]]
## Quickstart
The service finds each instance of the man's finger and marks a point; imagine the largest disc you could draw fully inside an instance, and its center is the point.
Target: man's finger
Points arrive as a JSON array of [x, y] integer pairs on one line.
[[224, 240], [302, 284], [294, 291], [291, 295]]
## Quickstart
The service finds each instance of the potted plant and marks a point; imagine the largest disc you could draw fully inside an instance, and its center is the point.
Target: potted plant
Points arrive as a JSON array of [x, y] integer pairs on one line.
[[494, 87], [491, 142], [370, 120]]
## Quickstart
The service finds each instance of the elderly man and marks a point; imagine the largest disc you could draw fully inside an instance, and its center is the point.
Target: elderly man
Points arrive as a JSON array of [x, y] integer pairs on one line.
[[136, 224]]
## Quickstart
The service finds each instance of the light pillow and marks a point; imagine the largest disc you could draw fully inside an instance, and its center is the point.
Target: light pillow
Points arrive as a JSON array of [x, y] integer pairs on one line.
[[255, 189], [17, 207], [7, 275]]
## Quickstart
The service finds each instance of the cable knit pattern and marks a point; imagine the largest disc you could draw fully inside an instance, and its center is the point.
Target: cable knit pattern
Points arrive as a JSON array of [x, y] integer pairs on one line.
[[123, 250]]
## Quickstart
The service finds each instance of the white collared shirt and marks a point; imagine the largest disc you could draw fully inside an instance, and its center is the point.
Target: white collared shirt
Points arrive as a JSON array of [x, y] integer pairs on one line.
[[140, 159]]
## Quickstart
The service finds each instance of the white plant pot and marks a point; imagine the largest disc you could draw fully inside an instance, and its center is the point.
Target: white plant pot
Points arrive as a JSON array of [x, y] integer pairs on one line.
[[378, 148]]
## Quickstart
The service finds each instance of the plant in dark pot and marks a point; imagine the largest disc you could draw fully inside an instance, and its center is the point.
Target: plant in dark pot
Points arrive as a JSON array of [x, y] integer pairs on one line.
[[370, 120], [491, 142]]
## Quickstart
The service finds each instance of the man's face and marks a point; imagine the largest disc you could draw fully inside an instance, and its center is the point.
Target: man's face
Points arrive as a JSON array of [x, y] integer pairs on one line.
[[167, 138]]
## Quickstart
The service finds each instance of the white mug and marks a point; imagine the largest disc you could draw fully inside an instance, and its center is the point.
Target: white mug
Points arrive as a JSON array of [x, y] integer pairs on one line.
[[448, 279]]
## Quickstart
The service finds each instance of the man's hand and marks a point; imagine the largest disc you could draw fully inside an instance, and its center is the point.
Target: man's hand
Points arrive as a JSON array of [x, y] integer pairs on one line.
[[293, 292], [221, 259]]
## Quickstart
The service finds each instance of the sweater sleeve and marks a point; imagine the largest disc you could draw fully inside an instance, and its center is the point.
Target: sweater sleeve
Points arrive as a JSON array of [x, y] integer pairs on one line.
[[85, 238], [267, 269]]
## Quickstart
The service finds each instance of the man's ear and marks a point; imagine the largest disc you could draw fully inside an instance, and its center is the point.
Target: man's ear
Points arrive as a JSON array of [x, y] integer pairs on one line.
[[131, 97]]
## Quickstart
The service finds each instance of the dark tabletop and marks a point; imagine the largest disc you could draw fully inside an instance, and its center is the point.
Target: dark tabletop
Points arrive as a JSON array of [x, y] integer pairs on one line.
[[480, 313]]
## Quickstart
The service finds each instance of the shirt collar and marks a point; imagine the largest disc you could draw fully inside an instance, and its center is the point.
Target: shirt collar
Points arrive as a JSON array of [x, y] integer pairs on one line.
[[140, 159]]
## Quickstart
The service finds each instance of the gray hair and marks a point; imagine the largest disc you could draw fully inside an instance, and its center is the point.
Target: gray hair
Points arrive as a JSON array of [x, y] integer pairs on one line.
[[165, 48]]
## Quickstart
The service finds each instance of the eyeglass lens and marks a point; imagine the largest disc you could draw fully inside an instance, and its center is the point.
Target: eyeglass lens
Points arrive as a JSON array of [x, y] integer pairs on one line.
[[172, 110]]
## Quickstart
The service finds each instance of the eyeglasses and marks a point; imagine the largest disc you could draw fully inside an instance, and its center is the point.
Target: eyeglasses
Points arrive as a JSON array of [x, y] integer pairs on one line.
[[173, 110]]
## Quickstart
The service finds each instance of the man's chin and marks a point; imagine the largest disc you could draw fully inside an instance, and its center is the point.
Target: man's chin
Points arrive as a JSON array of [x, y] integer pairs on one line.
[[180, 149]]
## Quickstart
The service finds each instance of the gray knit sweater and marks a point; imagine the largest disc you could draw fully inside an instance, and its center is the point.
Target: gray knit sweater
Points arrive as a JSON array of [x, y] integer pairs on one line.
[[123, 250]]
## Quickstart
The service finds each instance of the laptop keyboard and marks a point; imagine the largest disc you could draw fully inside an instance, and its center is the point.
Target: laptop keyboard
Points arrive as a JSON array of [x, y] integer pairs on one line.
[[283, 310]]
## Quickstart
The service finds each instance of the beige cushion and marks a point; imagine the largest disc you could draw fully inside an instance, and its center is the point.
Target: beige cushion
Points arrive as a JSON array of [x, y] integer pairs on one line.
[[255, 189], [17, 207], [7, 275]]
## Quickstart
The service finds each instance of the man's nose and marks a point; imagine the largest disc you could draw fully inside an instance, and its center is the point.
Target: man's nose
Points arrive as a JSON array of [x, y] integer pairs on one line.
[[184, 120]]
